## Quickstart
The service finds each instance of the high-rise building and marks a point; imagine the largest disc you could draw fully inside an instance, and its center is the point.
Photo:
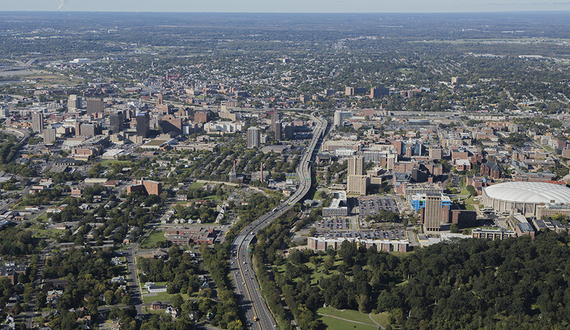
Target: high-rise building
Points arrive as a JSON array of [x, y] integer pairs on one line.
[[356, 166], [356, 184], [253, 137], [201, 117], [435, 152], [74, 102], [143, 124], [274, 119], [95, 105], [278, 131], [432, 212], [339, 117], [4, 112], [169, 123], [378, 92], [91, 130], [116, 122], [289, 131], [37, 121], [77, 129], [49, 135]]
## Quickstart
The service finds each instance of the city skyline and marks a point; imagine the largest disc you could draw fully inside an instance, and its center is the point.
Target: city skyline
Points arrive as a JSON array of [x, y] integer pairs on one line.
[[292, 6]]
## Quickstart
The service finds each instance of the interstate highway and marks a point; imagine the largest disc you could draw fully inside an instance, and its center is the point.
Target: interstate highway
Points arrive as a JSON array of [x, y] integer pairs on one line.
[[246, 286]]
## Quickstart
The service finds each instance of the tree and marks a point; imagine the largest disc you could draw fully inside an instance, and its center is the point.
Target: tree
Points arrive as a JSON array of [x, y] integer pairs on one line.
[[109, 297], [177, 301], [454, 228]]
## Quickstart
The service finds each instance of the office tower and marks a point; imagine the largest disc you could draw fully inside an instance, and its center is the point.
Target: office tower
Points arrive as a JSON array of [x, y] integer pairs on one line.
[[74, 102], [49, 135], [38, 121], [278, 131], [77, 129], [169, 123], [356, 166], [253, 137], [91, 130], [95, 105], [432, 212], [143, 124], [116, 122]]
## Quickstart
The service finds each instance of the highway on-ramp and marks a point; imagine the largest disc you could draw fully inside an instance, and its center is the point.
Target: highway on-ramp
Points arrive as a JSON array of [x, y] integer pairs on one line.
[[257, 314]]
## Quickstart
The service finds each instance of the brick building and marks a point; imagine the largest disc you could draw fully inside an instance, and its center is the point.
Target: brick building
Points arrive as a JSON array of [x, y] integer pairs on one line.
[[150, 187]]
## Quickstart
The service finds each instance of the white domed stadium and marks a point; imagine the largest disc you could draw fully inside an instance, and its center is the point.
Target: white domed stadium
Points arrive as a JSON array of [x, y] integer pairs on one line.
[[524, 197]]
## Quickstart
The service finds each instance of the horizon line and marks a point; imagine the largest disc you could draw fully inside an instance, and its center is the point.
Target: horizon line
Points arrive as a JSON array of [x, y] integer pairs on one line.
[[295, 13]]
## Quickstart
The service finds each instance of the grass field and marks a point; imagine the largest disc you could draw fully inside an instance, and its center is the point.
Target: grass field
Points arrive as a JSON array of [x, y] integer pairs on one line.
[[47, 233], [346, 314], [163, 297], [108, 162], [196, 185], [152, 239], [336, 324], [319, 194], [381, 318]]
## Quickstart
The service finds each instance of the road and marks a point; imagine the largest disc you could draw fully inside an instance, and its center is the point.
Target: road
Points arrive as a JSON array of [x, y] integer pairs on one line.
[[256, 312], [136, 296]]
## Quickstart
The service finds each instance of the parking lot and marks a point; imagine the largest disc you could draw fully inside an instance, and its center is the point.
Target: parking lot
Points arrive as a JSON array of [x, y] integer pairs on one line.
[[379, 234], [371, 205]]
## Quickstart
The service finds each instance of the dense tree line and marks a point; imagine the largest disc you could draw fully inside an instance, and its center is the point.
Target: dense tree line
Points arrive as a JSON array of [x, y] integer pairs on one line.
[[465, 284], [87, 272], [15, 242], [301, 298], [179, 271], [215, 259]]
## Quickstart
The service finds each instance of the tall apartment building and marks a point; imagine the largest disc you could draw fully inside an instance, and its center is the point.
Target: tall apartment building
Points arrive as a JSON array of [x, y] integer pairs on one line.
[[356, 184], [432, 215], [289, 131], [150, 187], [253, 137], [378, 92], [201, 117], [49, 135], [349, 91], [278, 131], [274, 119], [356, 166], [143, 124], [38, 121], [74, 102], [4, 112], [95, 105], [116, 122], [356, 181]]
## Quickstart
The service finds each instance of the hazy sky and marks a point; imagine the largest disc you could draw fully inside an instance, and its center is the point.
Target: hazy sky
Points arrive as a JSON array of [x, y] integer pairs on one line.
[[286, 6]]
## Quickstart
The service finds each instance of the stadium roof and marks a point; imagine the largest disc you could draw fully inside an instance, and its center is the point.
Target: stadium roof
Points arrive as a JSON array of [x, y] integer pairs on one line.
[[529, 192]]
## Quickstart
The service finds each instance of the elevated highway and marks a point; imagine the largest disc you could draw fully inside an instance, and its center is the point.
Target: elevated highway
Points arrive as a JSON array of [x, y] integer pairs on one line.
[[257, 314]]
